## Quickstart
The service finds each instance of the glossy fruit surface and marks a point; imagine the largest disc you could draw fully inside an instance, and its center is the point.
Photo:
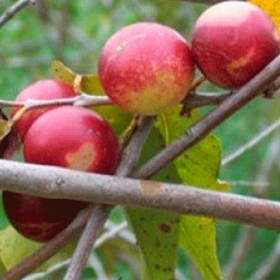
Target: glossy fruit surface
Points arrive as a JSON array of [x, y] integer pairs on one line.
[[39, 219], [40, 90], [72, 137], [232, 41], [145, 68], [67, 136]]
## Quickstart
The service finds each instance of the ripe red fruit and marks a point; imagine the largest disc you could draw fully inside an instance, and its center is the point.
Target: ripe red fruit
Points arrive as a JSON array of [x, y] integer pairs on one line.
[[145, 68], [40, 90], [72, 137], [39, 219], [232, 41], [67, 136]]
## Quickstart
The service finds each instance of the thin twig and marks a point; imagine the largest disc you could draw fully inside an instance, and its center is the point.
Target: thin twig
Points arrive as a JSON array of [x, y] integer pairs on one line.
[[111, 233], [252, 143], [200, 99], [79, 100], [63, 25], [266, 172], [253, 184], [269, 264], [10, 12], [48, 250], [245, 240], [51, 270], [192, 101], [242, 246], [79, 259], [97, 219], [206, 124]]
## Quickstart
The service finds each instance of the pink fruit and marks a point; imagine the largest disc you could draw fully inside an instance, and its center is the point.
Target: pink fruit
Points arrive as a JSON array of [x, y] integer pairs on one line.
[[145, 68], [232, 41], [72, 137], [40, 90]]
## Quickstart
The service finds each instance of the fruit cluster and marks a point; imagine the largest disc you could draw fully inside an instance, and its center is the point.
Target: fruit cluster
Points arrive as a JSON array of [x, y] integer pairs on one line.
[[65, 136], [144, 68]]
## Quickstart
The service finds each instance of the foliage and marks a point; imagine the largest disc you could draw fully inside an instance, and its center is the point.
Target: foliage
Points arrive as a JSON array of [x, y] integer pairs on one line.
[[74, 34]]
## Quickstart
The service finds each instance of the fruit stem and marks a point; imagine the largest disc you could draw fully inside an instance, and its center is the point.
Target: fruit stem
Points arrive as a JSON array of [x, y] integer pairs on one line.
[[18, 114], [127, 134]]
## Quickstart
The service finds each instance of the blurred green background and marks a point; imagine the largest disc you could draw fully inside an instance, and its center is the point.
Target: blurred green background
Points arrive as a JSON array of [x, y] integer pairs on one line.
[[74, 32]]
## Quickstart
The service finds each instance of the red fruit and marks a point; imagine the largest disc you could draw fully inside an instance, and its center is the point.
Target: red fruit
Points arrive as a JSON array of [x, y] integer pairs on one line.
[[39, 219], [72, 137], [145, 68], [67, 136], [40, 90], [232, 41]]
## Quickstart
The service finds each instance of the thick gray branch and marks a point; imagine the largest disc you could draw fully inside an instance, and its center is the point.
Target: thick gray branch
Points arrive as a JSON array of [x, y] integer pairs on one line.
[[55, 182]]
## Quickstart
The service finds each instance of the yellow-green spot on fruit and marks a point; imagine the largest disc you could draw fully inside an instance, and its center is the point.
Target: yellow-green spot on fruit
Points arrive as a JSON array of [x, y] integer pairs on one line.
[[81, 159]]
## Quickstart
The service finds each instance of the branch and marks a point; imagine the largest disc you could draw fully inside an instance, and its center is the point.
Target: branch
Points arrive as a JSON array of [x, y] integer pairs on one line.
[[130, 155], [245, 240], [241, 248], [252, 143], [206, 124], [79, 100], [269, 264], [99, 215], [113, 231], [55, 182], [47, 250], [198, 99], [96, 221], [10, 13], [192, 101]]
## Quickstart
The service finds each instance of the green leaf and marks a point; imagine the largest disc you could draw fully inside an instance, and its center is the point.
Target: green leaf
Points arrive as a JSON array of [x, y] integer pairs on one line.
[[112, 252], [156, 231], [117, 118], [2, 268], [82, 83], [11, 253], [199, 167], [157, 236]]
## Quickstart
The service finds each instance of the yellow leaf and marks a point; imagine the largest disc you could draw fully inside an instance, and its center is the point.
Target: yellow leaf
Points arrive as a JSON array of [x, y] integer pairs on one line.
[[62, 73], [91, 85], [11, 253], [82, 83], [5, 128], [272, 8]]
